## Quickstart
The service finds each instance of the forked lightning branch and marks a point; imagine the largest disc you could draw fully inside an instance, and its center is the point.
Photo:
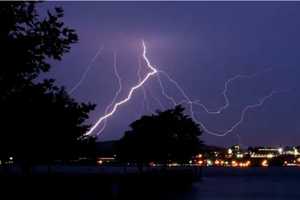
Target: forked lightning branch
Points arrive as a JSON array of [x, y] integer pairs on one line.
[[112, 108]]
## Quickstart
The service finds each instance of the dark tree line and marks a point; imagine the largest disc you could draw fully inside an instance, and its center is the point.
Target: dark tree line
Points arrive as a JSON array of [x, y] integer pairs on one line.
[[167, 136], [38, 120]]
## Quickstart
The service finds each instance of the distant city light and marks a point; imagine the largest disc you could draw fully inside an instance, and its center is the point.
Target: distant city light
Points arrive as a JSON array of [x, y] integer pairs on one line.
[[280, 150], [173, 164], [199, 156], [239, 155], [270, 155], [209, 163], [265, 163], [234, 163], [100, 162]]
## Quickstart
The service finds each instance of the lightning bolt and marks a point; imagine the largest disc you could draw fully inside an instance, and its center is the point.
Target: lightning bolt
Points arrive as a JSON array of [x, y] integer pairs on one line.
[[198, 102], [164, 93], [235, 125], [152, 72], [82, 78], [116, 94], [157, 100], [145, 102], [244, 111], [225, 91], [186, 99]]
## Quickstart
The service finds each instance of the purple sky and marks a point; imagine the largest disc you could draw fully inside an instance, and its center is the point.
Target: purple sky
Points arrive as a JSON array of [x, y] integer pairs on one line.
[[200, 45]]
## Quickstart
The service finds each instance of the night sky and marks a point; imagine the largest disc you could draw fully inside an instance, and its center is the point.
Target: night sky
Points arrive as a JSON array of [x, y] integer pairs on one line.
[[200, 45]]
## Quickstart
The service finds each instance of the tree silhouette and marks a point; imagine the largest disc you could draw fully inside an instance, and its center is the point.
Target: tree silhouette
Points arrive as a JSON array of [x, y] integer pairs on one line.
[[166, 136], [39, 121]]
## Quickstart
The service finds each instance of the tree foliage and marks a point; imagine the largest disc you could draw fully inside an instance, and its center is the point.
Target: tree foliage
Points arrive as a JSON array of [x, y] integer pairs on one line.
[[38, 119], [166, 136]]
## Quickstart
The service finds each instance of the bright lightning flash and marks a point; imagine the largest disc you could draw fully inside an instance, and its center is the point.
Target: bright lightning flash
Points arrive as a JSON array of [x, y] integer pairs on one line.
[[132, 90], [146, 105], [116, 94], [187, 99]]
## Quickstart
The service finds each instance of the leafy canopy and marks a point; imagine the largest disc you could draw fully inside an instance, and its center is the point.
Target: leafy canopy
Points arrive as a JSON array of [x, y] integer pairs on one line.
[[39, 120], [165, 136]]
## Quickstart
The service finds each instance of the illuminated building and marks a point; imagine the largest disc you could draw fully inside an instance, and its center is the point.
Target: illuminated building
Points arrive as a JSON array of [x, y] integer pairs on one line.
[[234, 156], [104, 160], [291, 151], [265, 152]]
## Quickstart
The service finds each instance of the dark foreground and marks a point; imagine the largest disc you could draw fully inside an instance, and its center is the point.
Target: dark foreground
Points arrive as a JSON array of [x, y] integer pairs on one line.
[[216, 183], [275, 183], [97, 183]]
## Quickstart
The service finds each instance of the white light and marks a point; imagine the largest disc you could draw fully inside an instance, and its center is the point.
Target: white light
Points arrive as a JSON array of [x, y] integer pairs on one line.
[[280, 150], [132, 90], [187, 99], [270, 155], [239, 155], [209, 162]]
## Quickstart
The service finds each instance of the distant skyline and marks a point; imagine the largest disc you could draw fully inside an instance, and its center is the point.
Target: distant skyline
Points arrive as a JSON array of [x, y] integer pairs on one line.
[[199, 44]]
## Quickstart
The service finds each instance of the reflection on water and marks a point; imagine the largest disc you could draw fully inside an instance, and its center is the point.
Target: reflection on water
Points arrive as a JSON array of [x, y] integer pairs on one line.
[[255, 183], [216, 183], [245, 188]]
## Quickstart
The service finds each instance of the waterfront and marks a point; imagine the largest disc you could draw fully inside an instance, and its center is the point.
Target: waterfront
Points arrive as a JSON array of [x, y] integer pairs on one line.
[[216, 183], [232, 183], [254, 183]]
